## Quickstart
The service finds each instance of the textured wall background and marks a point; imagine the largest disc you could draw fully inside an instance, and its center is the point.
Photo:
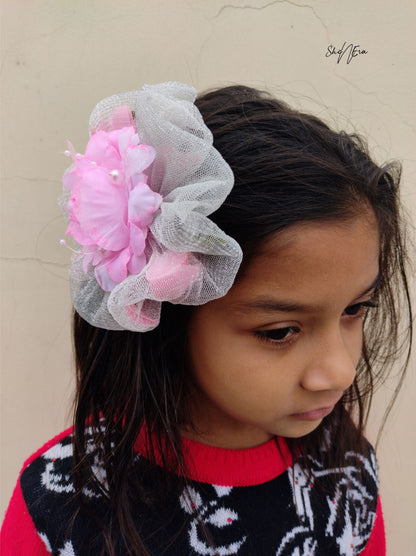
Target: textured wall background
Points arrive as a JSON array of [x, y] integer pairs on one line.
[[59, 57]]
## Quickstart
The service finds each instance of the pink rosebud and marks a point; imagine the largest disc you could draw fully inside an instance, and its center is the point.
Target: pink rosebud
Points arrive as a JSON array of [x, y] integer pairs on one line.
[[171, 274]]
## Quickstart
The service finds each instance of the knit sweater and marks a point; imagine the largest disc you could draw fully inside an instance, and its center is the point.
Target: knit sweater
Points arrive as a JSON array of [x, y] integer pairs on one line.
[[254, 502]]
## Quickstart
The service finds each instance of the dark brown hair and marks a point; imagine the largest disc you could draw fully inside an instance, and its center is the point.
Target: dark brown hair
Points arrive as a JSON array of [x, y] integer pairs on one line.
[[289, 167]]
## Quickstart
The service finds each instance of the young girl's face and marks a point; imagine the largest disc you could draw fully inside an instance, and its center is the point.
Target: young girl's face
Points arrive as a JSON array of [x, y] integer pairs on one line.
[[276, 353]]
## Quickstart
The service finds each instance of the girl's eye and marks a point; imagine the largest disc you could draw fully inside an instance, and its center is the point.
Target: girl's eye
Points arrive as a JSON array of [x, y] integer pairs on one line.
[[357, 310], [278, 335]]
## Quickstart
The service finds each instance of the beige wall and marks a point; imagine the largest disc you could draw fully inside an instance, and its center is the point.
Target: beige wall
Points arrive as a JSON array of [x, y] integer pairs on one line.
[[59, 57]]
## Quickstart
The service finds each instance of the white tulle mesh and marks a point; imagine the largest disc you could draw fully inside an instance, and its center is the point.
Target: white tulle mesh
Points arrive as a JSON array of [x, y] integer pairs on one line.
[[194, 180]]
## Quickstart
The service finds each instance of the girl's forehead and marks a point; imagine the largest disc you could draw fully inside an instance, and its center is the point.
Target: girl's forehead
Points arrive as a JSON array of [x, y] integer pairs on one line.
[[365, 222], [314, 259]]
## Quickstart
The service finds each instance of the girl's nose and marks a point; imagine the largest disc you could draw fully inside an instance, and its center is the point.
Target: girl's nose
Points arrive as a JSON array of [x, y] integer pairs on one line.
[[332, 365]]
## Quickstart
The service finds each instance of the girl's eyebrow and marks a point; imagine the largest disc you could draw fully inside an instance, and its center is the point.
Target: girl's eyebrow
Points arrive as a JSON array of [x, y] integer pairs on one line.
[[269, 305]]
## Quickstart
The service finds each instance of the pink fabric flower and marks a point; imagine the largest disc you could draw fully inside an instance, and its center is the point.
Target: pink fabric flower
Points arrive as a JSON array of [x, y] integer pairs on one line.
[[111, 206], [137, 252], [171, 274]]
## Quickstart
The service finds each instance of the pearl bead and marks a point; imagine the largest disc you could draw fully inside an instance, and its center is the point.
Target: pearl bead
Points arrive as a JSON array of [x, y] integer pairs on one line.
[[115, 175]]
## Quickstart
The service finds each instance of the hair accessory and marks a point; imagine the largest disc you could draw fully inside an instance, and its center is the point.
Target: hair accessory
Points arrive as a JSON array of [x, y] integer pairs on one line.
[[137, 203]]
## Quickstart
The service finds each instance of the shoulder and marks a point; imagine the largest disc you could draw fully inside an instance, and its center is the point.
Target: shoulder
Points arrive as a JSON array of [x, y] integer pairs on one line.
[[20, 532], [48, 490], [339, 501], [353, 467], [45, 474], [45, 501], [56, 449], [53, 454]]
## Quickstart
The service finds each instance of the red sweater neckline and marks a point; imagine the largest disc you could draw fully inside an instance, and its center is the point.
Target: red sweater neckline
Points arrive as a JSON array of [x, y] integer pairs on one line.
[[227, 466]]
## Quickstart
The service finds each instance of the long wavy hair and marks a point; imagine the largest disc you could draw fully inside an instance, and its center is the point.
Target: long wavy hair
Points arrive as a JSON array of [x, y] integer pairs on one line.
[[289, 167]]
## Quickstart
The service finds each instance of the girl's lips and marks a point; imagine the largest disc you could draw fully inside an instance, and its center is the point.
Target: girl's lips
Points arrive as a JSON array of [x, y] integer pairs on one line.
[[313, 415]]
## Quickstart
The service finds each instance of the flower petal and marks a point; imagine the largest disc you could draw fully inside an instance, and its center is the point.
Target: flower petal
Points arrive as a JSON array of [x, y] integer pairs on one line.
[[70, 178], [121, 117], [103, 278], [137, 315], [117, 265], [123, 139], [137, 239], [102, 151], [136, 263], [102, 210], [170, 274], [138, 159], [143, 202], [74, 229]]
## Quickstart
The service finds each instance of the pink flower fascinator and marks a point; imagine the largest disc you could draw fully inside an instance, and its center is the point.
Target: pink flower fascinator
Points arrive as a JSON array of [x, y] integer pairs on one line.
[[138, 202]]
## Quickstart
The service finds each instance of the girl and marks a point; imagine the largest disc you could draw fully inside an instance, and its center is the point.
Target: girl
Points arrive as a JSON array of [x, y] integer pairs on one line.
[[225, 365]]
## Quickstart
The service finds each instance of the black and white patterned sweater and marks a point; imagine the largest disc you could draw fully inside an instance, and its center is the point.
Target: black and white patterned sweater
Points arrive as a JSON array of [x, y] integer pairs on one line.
[[254, 502]]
